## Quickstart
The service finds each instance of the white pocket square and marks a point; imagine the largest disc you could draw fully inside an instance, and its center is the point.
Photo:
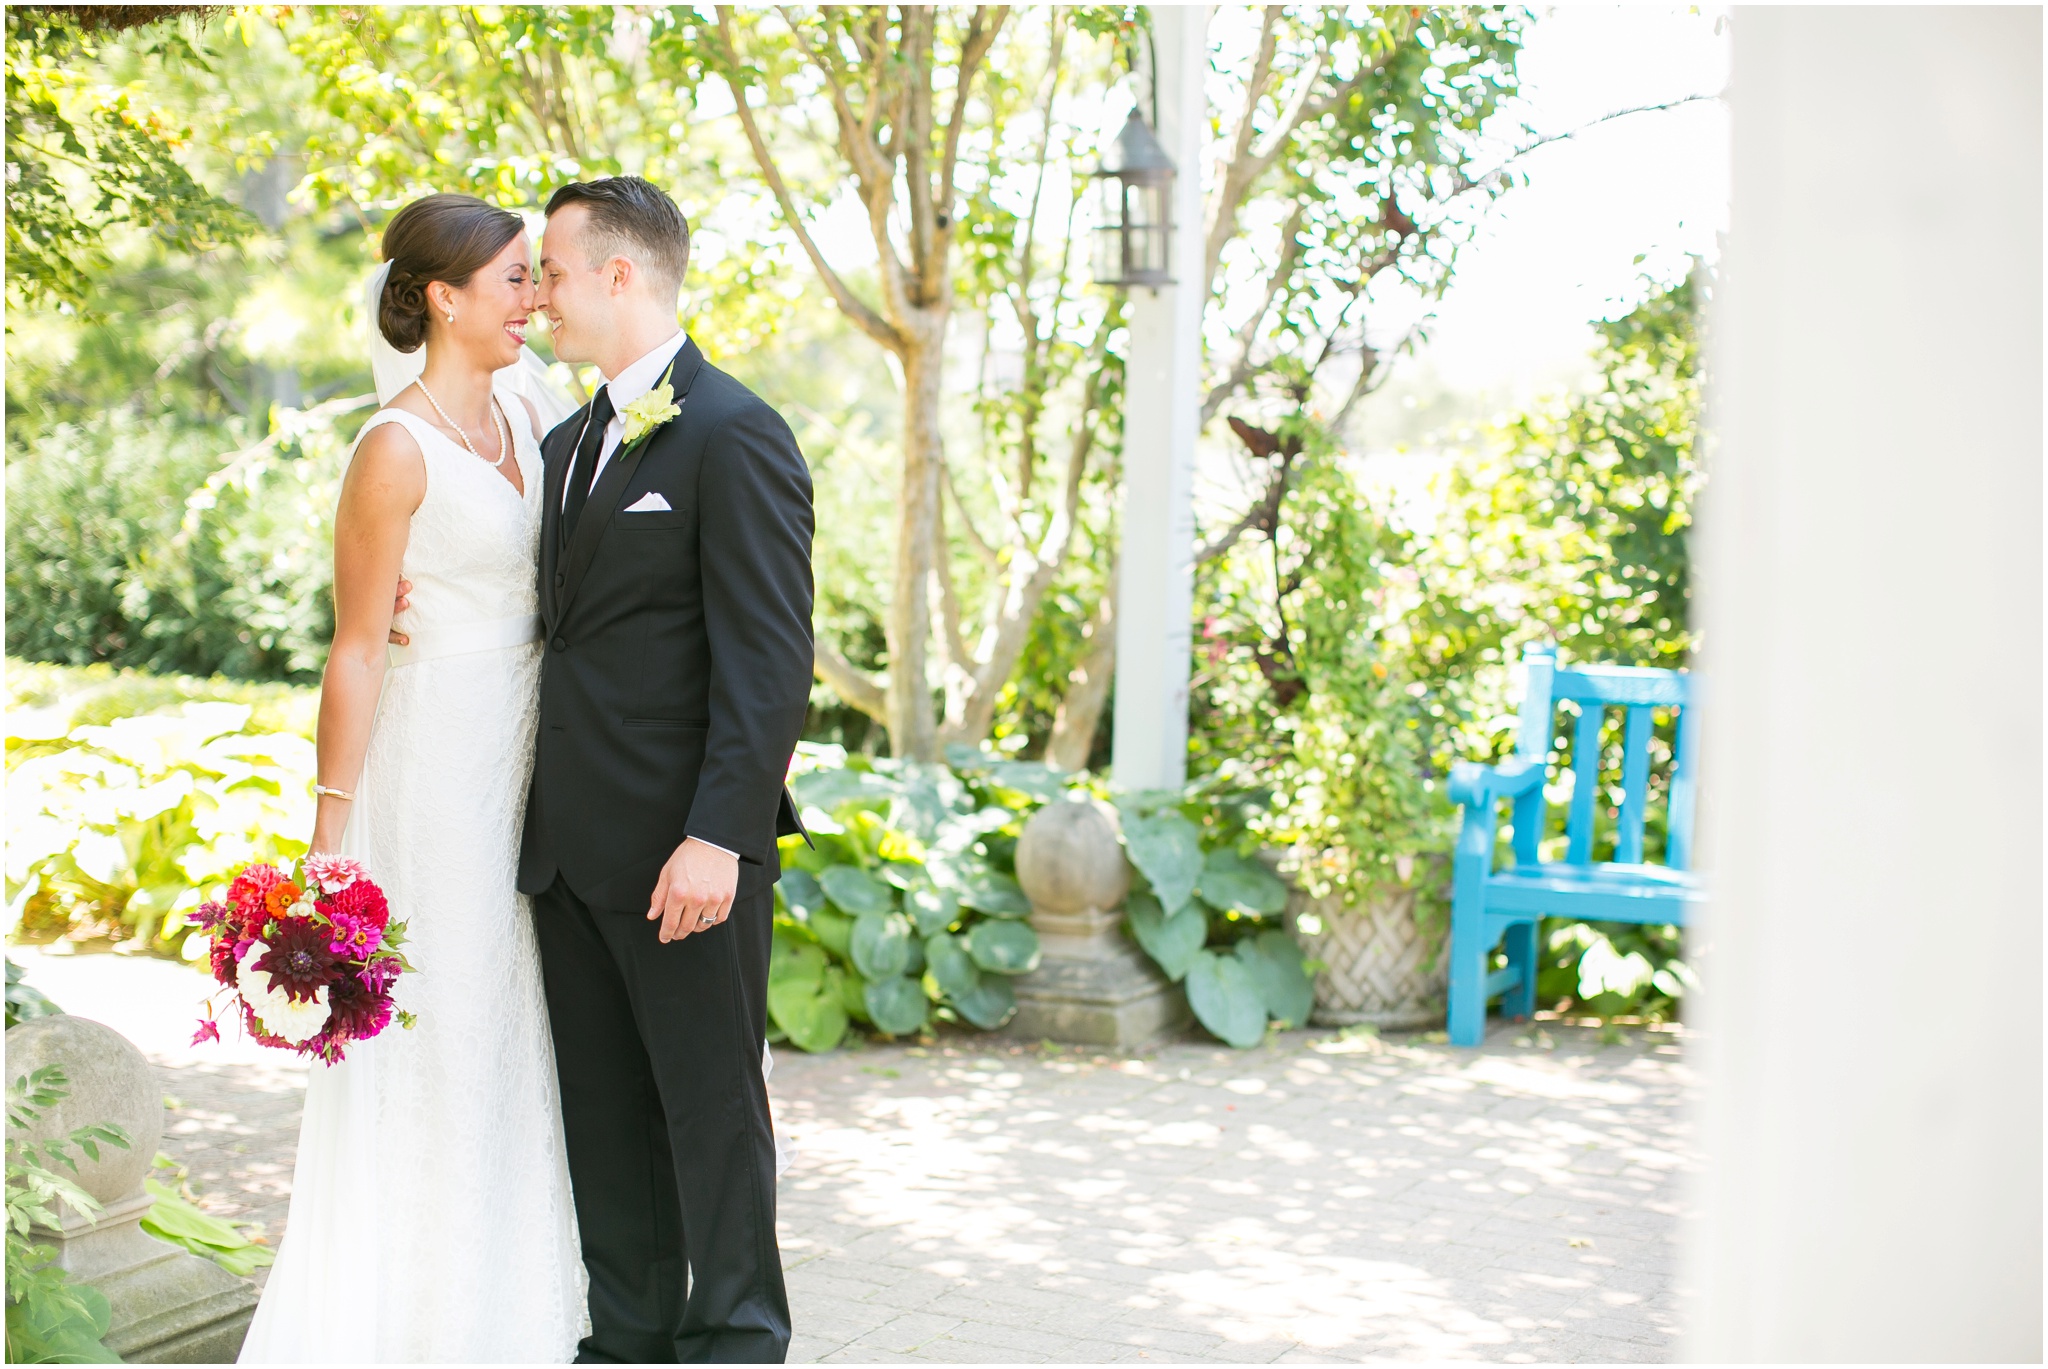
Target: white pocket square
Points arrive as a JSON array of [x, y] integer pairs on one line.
[[649, 502]]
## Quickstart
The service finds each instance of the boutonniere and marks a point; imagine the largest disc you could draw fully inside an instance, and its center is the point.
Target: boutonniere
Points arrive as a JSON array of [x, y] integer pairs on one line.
[[650, 411]]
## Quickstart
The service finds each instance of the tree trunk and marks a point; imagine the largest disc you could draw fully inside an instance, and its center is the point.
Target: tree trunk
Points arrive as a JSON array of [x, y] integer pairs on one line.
[[913, 723], [1080, 710]]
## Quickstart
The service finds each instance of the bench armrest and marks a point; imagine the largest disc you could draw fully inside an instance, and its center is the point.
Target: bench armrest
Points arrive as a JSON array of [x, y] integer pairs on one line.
[[1475, 785]]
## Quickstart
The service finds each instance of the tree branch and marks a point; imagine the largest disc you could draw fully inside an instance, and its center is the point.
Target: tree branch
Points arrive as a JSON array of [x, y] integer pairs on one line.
[[1079, 715], [972, 50], [854, 686], [1247, 336], [982, 550], [1465, 183], [863, 315]]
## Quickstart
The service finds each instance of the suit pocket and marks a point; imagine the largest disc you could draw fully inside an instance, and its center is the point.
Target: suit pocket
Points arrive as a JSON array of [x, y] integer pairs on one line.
[[674, 724], [652, 519]]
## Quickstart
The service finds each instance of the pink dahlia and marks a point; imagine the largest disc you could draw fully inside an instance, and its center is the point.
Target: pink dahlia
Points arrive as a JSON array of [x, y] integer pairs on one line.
[[331, 874], [362, 901], [249, 887]]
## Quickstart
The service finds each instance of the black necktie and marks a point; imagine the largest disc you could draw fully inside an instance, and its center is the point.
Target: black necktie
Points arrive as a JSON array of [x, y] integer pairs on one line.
[[584, 472]]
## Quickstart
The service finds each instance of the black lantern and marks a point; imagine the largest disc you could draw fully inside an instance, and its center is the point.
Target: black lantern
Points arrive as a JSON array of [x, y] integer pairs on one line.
[[1136, 226]]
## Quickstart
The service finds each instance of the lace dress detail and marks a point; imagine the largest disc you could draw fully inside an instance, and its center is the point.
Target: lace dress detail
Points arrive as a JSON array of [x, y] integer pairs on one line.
[[430, 1216]]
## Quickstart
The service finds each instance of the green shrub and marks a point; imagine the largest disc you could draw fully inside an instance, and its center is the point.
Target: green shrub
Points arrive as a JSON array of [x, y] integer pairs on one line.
[[136, 544], [116, 827]]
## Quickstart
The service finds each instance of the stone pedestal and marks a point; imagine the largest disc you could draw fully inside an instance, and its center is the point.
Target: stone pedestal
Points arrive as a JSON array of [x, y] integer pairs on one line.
[[1092, 986], [169, 1306]]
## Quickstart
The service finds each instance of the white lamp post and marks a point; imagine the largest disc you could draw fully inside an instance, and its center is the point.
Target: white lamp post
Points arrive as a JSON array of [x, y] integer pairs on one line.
[[1162, 404]]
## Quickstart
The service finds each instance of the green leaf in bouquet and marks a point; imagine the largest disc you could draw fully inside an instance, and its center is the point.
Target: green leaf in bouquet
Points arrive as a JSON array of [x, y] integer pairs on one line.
[[1277, 968], [1172, 940], [810, 1010], [897, 1005], [998, 895], [881, 944], [1004, 947], [1240, 883], [989, 1004], [1168, 849], [933, 909], [1226, 1000], [801, 893], [856, 891], [952, 969]]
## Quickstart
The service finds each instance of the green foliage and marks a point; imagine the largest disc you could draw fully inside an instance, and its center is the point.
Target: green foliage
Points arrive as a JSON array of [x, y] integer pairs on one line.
[[25, 1002], [1209, 911], [139, 545], [908, 910], [50, 1319], [1304, 689], [114, 828], [176, 1220], [85, 156], [1571, 523]]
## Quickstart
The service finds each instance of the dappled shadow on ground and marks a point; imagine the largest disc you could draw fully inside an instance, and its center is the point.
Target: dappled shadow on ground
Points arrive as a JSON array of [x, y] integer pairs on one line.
[[978, 1199], [1313, 1199]]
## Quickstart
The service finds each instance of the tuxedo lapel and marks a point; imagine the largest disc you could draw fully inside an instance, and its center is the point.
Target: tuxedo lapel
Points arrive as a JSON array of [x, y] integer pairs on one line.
[[596, 518], [554, 475]]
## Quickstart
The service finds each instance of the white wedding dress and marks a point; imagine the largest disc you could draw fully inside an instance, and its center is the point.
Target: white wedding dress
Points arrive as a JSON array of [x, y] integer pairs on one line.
[[430, 1213]]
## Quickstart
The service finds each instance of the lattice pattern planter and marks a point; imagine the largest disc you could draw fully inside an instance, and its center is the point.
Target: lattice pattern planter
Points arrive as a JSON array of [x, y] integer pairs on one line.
[[1382, 968]]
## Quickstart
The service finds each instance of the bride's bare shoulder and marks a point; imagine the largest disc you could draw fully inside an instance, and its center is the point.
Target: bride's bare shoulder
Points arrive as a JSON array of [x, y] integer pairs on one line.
[[388, 466]]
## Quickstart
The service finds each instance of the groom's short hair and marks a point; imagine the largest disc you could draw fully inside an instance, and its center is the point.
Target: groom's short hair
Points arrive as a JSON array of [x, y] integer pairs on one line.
[[632, 217]]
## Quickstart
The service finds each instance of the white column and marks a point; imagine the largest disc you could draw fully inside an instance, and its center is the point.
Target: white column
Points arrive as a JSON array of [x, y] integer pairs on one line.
[[1871, 1050], [1162, 408]]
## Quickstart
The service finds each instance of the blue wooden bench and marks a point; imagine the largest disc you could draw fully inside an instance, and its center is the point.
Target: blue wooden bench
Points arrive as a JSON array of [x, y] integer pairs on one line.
[[1489, 906]]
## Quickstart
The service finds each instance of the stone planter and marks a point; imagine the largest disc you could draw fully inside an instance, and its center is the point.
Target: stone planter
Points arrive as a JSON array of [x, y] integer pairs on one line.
[[1383, 969], [169, 1306]]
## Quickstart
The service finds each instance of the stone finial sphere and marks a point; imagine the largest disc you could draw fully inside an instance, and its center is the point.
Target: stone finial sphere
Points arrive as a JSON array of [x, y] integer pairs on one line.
[[109, 1082], [1069, 859]]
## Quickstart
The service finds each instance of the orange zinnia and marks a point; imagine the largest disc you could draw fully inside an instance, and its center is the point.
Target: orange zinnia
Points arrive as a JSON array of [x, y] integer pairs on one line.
[[279, 898]]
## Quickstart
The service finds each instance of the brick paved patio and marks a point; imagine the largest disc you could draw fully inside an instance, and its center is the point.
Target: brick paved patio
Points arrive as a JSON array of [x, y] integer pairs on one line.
[[976, 1199]]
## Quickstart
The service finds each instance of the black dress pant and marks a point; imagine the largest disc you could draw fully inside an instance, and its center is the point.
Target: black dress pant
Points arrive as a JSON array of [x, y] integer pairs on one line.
[[671, 1154]]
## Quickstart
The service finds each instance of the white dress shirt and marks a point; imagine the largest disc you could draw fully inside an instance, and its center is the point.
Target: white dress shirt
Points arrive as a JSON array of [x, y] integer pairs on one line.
[[627, 386]]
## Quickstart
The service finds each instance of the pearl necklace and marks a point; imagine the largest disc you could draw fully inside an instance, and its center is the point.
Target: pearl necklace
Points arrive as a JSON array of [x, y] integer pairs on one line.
[[497, 426]]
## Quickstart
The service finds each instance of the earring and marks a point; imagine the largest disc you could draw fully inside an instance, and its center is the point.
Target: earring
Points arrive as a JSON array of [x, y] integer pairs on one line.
[[451, 318]]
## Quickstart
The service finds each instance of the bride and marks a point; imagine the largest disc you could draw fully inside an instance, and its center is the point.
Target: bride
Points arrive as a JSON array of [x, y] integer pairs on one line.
[[430, 1213]]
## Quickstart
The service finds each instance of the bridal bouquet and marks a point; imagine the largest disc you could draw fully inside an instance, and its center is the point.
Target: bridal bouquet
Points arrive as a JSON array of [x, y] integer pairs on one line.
[[311, 960]]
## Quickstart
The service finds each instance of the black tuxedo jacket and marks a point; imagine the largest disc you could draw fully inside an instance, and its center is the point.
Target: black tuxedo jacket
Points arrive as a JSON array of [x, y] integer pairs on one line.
[[677, 649]]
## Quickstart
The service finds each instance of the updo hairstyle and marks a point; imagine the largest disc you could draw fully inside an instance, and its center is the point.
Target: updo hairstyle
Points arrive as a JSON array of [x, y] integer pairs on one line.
[[438, 237]]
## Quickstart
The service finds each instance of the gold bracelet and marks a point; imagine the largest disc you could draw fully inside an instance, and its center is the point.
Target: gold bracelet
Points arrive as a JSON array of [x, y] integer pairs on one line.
[[342, 794]]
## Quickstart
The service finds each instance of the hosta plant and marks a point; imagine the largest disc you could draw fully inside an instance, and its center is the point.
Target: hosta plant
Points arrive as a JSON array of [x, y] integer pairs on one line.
[[907, 909]]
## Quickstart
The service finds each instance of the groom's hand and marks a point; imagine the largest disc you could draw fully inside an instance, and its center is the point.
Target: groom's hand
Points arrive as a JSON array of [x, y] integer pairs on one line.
[[398, 606], [695, 890]]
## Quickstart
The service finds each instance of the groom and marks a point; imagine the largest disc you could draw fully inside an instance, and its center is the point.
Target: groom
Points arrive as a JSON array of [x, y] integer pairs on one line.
[[675, 593]]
